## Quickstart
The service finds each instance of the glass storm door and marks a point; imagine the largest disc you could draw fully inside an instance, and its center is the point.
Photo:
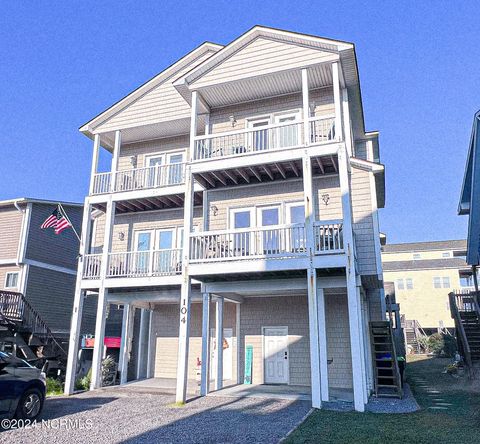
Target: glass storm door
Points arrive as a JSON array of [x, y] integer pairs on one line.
[[259, 137], [241, 241], [143, 244], [296, 215], [175, 169], [270, 240], [287, 135], [154, 173], [164, 253]]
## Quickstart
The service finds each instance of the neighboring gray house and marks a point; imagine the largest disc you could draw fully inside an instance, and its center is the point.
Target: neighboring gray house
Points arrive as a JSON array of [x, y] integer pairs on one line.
[[241, 210], [40, 264]]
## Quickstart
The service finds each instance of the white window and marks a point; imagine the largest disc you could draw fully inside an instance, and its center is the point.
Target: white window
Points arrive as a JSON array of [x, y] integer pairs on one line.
[[171, 173], [416, 256], [409, 283], [11, 280], [446, 282], [259, 139], [400, 284], [446, 254], [437, 282]]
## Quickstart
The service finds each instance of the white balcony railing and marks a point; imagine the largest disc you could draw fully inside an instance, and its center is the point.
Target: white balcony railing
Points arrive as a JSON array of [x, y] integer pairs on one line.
[[248, 243], [144, 263], [328, 237], [91, 266], [263, 138], [141, 178]]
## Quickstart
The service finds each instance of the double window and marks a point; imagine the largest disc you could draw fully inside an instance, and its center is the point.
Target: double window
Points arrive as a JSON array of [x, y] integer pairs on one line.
[[11, 280], [441, 282], [404, 284], [164, 169]]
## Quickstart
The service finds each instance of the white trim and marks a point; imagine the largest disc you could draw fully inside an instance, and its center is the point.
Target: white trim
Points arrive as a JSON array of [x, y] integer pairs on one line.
[[238, 335], [376, 227], [218, 363], [11, 261], [205, 369], [285, 328], [150, 348], [50, 267], [22, 246]]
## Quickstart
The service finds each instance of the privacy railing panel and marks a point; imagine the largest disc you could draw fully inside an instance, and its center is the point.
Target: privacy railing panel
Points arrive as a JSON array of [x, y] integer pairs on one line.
[[141, 178], [145, 263], [322, 130], [248, 243], [91, 266], [328, 236]]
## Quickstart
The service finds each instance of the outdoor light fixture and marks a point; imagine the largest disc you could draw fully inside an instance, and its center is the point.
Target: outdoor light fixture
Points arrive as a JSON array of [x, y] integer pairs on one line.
[[312, 108], [325, 198], [121, 236], [233, 120], [133, 161], [214, 210]]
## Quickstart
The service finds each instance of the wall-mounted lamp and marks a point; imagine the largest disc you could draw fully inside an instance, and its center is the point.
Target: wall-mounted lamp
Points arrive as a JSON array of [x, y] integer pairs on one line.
[[133, 161], [325, 198], [121, 236], [233, 120], [311, 108], [214, 210]]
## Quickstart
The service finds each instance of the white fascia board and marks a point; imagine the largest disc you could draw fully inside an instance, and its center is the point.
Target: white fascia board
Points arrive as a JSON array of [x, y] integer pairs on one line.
[[51, 267], [143, 281], [26, 200], [8, 261]]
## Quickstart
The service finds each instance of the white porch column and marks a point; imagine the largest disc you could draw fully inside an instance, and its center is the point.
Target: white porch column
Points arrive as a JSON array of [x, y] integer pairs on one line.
[[184, 329], [75, 326], [149, 344], [322, 341], [127, 322], [93, 171], [311, 281], [219, 343], [306, 107], [115, 155], [205, 383], [102, 298], [238, 335], [337, 100], [356, 343], [347, 124]]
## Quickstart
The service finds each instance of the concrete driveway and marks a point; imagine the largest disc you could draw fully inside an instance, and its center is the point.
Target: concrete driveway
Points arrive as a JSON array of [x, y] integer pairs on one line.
[[123, 415]]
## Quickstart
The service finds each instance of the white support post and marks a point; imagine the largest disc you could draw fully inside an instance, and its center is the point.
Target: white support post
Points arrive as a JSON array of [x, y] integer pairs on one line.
[[125, 342], [115, 156], [239, 341], [322, 341], [337, 100], [205, 382], [349, 142], [306, 107], [149, 345], [219, 343], [311, 282], [76, 322], [356, 343], [93, 171], [362, 348], [102, 298], [368, 347], [184, 329]]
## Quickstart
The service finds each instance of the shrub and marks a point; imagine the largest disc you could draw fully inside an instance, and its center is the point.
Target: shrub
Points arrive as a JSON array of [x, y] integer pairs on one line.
[[84, 382], [435, 343], [54, 387]]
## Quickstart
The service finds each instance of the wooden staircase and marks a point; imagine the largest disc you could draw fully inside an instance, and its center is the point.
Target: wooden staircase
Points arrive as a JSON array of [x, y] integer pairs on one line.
[[465, 310], [25, 334], [387, 375]]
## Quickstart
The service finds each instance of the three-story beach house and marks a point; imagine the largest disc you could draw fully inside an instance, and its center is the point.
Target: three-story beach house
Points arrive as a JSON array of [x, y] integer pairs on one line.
[[240, 228]]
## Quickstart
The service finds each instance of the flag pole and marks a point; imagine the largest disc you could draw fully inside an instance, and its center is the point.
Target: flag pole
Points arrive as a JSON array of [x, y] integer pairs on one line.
[[69, 221]]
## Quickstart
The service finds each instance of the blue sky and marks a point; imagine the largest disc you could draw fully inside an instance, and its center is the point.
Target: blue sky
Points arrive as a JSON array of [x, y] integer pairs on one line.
[[64, 62]]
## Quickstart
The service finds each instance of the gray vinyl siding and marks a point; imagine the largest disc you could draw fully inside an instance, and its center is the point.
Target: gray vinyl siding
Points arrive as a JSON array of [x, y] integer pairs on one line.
[[10, 229], [51, 294], [45, 246], [220, 117], [363, 221], [259, 57], [277, 193], [160, 104]]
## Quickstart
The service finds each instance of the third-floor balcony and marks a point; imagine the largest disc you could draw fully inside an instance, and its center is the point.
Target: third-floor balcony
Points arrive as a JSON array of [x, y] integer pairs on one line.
[[262, 137], [137, 179]]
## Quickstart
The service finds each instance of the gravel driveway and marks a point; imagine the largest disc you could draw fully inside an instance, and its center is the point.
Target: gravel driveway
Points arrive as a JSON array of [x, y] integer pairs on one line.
[[128, 416]]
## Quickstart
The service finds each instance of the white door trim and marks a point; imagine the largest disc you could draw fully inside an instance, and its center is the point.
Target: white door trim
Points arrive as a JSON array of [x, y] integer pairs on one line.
[[285, 328]]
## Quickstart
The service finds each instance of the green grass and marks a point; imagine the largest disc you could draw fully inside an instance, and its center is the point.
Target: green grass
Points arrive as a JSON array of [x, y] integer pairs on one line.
[[459, 424]]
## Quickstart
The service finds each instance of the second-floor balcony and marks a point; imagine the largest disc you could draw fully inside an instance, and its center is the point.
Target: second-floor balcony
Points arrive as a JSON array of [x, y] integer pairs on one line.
[[136, 179], [258, 139]]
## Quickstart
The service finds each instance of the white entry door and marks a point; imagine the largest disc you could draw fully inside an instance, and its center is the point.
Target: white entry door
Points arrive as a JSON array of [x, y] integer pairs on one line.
[[227, 354], [275, 355]]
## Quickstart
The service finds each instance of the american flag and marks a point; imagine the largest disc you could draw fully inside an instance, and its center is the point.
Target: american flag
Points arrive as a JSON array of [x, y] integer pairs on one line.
[[57, 220]]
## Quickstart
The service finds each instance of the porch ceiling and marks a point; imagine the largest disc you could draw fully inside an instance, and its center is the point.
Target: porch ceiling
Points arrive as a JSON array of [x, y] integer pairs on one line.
[[171, 201], [266, 173], [268, 85]]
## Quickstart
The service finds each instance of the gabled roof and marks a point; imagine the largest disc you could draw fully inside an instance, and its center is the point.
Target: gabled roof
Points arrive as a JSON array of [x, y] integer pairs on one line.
[[424, 264], [167, 73], [470, 195], [25, 200], [456, 244]]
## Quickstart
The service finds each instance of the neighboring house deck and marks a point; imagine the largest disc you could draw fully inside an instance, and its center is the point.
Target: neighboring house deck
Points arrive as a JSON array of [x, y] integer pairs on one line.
[[243, 189]]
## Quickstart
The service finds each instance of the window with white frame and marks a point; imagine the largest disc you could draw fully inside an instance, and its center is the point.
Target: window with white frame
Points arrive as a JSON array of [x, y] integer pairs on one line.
[[409, 283], [437, 282], [11, 280], [400, 284], [446, 282]]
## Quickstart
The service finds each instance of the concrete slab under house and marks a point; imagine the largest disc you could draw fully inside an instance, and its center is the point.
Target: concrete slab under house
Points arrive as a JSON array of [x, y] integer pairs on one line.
[[238, 226]]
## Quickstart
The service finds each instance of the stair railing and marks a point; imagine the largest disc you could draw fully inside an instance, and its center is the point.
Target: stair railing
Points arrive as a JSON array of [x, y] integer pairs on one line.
[[14, 306], [394, 347], [460, 329]]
